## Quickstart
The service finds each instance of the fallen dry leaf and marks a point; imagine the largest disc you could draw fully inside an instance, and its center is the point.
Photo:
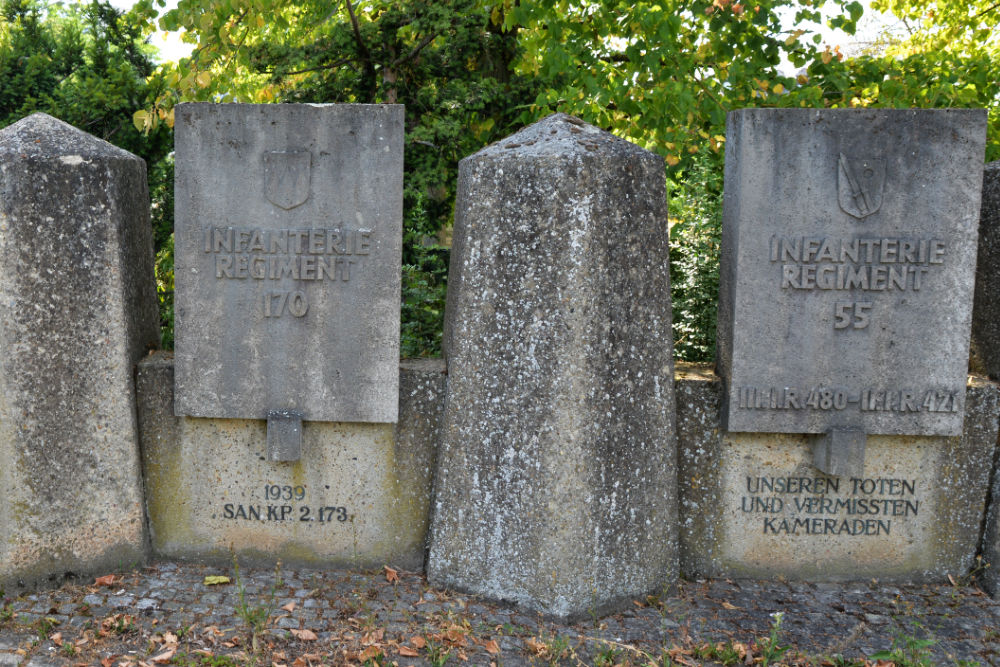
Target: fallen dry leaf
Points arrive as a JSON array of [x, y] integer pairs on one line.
[[408, 652], [456, 635], [373, 637], [106, 580], [391, 575], [56, 638], [164, 658], [418, 641], [304, 635], [215, 580], [492, 647], [290, 607], [107, 662], [726, 605], [537, 647]]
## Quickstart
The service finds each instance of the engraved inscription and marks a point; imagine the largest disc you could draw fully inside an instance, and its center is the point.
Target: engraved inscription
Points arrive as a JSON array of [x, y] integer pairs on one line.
[[326, 254], [805, 506], [839, 398], [857, 264], [286, 511]]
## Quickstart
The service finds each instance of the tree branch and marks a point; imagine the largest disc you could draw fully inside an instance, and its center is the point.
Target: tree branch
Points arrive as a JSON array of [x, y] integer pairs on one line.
[[416, 49], [318, 68], [987, 10], [366, 56], [357, 31]]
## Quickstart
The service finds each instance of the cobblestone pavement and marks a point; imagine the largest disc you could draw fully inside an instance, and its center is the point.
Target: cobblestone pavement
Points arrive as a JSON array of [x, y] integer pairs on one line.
[[168, 614]]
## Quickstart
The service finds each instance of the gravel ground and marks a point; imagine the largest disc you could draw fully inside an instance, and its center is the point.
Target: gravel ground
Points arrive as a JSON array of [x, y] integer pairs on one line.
[[168, 614]]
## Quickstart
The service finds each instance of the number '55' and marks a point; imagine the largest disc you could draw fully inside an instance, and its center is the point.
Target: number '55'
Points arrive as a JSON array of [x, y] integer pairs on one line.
[[851, 312]]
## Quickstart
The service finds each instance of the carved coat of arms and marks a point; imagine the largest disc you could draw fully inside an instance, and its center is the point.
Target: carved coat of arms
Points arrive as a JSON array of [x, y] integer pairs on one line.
[[287, 176], [860, 182]]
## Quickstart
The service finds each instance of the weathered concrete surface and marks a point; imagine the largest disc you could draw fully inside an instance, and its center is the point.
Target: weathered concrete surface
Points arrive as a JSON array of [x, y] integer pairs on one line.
[[78, 311], [986, 307], [848, 235], [209, 486], [985, 348], [555, 483], [927, 533], [288, 237]]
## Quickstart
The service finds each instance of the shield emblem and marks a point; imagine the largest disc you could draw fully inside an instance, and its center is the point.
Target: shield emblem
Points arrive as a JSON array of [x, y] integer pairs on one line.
[[287, 177], [859, 185]]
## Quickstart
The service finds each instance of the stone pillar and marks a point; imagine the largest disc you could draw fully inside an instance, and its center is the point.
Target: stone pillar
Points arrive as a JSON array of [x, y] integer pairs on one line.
[[986, 346], [77, 311], [556, 481], [986, 304]]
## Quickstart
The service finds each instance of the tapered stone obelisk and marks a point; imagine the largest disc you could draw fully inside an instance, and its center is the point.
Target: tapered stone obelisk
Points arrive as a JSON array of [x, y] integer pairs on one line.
[[556, 481]]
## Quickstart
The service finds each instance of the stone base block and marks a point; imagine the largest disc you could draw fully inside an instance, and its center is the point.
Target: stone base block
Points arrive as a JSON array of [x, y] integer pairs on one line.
[[358, 497], [753, 505]]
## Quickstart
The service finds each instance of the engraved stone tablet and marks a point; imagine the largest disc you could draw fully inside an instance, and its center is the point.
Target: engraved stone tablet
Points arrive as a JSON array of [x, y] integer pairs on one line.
[[849, 251], [288, 235]]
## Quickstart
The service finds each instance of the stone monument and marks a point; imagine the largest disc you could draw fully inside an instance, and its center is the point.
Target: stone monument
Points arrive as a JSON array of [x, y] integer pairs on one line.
[[280, 442], [288, 238], [848, 259], [78, 311], [556, 484], [852, 437]]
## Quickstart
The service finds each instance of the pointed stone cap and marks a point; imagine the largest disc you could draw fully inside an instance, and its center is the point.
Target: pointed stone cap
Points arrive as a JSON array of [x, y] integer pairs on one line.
[[42, 136], [559, 135]]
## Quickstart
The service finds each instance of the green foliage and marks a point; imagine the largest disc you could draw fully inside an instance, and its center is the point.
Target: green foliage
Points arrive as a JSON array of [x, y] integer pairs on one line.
[[45, 625], [695, 235], [255, 615], [909, 650], [770, 649], [86, 64]]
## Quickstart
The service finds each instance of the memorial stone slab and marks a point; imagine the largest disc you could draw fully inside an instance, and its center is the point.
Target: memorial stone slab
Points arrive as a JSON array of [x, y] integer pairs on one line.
[[288, 238], [849, 250], [78, 311], [555, 482]]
